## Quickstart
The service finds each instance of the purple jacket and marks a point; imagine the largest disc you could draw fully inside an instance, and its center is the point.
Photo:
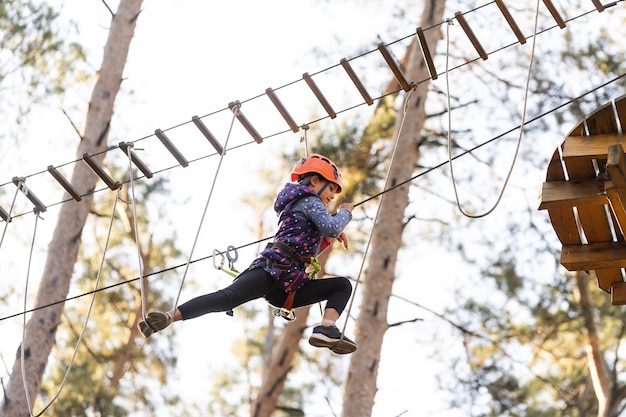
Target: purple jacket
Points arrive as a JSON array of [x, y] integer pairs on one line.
[[304, 222]]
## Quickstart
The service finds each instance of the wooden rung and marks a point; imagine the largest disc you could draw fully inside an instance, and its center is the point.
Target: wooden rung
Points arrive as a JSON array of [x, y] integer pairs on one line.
[[393, 65], [555, 13], [207, 134], [5, 216], [20, 182], [170, 147], [282, 110], [235, 107], [426, 54], [470, 34], [113, 185], [598, 5], [309, 80], [135, 159], [357, 82], [64, 183], [509, 19]]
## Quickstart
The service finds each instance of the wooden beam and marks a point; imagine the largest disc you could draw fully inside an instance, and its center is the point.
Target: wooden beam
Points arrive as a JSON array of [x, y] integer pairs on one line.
[[602, 255], [567, 194], [595, 146]]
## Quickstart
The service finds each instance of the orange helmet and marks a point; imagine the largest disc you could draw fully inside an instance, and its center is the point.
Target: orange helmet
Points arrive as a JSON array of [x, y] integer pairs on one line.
[[315, 163]]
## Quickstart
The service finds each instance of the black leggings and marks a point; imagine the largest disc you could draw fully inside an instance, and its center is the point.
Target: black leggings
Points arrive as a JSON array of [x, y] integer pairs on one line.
[[256, 283]]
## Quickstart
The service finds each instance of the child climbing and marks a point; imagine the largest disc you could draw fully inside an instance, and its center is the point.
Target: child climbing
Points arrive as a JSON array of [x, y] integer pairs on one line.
[[279, 273]]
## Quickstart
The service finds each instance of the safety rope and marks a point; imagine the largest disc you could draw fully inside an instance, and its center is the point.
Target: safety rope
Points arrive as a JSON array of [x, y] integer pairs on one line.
[[206, 206], [82, 332], [142, 279], [521, 128], [369, 240]]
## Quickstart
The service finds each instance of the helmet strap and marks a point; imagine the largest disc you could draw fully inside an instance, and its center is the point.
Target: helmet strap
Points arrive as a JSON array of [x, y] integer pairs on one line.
[[323, 187]]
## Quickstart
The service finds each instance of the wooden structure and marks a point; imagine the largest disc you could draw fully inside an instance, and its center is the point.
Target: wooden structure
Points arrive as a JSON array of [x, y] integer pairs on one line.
[[585, 196]]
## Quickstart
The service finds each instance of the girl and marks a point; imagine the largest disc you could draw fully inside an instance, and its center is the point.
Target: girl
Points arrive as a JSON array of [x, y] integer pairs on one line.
[[279, 273]]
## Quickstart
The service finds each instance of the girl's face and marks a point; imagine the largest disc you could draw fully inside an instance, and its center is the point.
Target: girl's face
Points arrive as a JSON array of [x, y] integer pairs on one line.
[[329, 192]]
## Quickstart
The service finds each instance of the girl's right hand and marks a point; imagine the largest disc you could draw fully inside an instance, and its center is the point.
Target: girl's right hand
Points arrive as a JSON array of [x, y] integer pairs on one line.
[[347, 206]]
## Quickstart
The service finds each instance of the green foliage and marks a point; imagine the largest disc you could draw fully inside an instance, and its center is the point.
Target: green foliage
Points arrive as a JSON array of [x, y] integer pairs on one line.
[[38, 57]]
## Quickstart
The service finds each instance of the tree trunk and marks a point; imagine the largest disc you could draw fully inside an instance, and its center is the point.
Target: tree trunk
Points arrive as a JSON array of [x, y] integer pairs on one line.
[[40, 330], [371, 323], [608, 395], [275, 374], [281, 362]]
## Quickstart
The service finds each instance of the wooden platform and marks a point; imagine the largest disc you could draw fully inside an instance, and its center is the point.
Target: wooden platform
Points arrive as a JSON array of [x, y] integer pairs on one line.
[[585, 196]]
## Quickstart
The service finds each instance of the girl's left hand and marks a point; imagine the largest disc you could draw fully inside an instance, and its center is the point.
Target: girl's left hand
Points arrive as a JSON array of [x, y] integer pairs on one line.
[[343, 239]]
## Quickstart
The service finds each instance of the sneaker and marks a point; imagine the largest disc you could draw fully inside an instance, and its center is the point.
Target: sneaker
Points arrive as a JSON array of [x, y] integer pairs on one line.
[[155, 321], [331, 338]]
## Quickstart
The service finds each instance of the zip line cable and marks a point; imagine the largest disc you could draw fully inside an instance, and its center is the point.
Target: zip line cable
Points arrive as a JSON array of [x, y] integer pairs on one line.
[[521, 130], [82, 332], [372, 197]]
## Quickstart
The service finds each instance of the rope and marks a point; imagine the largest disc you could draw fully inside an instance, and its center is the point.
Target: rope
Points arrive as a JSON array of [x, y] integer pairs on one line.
[[82, 332], [304, 139], [6, 225], [369, 240], [142, 282], [206, 206], [521, 131]]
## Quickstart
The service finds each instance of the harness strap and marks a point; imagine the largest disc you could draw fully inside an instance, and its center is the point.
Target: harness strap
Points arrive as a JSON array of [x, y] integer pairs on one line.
[[290, 253], [288, 304]]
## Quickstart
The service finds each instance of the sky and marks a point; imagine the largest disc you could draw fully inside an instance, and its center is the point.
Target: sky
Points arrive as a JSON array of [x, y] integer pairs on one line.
[[191, 58]]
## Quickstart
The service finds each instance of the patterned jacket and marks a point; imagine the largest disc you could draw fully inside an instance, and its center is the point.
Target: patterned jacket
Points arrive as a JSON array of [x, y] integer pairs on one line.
[[306, 226]]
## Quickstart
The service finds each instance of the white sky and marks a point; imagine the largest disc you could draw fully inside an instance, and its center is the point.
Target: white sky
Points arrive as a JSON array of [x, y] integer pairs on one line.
[[193, 57]]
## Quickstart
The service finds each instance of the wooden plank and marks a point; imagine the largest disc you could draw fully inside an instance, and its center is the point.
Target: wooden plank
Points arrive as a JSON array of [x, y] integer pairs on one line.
[[564, 194], [595, 224], [594, 256], [607, 277], [555, 168], [602, 121], [565, 226], [592, 147]]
